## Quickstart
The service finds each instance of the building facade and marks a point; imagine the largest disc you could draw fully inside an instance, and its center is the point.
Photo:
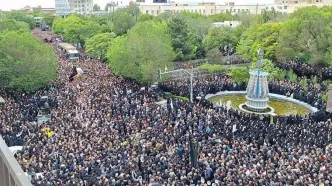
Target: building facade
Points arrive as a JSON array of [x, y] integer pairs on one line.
[[66, 7], [62, 7], [39, 8]]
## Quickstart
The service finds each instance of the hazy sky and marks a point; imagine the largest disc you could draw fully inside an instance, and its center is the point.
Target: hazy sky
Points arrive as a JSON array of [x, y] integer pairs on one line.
[[18, 4]]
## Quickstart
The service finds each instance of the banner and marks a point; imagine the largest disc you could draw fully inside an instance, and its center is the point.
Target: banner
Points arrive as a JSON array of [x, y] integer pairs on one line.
[[329, 101]]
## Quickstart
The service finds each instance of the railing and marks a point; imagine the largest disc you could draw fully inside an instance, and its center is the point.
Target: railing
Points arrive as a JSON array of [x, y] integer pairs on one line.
[[11, 173]]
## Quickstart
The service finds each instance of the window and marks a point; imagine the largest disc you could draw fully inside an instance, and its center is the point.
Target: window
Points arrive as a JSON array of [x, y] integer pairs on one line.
[[157, 12], [285, 7], [152, 11], [147, 11]]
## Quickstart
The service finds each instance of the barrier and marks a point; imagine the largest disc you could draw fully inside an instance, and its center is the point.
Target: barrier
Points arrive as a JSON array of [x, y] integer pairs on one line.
[[11, 173]]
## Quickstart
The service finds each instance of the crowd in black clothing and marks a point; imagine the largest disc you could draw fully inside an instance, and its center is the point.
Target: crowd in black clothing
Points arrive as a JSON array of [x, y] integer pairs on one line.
[[304, 69], [108, 130]]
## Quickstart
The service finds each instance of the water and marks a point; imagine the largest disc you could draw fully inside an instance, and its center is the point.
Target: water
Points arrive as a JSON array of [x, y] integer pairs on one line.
[[281, 107]]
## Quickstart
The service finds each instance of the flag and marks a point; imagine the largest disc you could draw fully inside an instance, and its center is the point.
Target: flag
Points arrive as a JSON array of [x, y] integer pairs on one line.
[[171, 104], [234, 128]]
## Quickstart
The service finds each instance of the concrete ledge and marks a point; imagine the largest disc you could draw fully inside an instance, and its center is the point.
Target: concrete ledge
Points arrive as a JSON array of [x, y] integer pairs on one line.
[[11, 173], [271, 96]]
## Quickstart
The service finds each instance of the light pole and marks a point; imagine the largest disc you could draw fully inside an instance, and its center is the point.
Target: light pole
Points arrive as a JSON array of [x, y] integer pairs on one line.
[[188, 72]]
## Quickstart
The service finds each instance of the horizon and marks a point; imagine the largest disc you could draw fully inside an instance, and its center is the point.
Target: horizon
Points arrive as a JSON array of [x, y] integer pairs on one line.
[[17, 4]]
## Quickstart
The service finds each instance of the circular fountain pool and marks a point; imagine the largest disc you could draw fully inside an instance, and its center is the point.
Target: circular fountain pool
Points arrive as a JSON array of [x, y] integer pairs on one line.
[[280, 105]]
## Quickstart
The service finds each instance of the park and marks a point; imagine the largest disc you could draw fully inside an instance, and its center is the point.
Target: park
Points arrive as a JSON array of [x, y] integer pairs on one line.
[[133, 99]]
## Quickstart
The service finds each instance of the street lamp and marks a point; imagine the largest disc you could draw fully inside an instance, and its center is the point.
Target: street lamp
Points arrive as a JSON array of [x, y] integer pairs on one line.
[[189, 72]]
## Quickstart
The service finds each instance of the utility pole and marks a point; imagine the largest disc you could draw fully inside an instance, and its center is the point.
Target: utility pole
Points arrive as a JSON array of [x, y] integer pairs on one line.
[[182, 74]]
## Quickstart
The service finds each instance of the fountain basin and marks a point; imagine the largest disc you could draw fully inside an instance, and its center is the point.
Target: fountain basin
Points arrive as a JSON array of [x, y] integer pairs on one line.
[[282, 105]]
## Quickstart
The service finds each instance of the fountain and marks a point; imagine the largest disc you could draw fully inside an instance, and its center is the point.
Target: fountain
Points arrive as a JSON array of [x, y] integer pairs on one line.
[[257, 90], [257, 99]]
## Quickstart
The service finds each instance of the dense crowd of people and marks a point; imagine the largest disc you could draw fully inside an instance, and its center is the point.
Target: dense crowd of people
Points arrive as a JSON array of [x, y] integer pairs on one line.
[[304, 69], [108, 130]]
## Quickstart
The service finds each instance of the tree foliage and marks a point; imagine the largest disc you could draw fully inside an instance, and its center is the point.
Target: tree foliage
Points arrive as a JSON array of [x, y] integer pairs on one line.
[[263, 36], [12, 25], [239, 74], [96, 7], [21, 16], [145, 48], [26, 64], [98, 44], [145, 17], [75, 29], [122, 22], [182, 44], [307, 35], [221, 17]]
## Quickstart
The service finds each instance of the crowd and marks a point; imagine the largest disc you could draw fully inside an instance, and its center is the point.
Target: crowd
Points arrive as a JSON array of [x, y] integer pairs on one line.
[[304, 69], [108, 130], [311, 93]]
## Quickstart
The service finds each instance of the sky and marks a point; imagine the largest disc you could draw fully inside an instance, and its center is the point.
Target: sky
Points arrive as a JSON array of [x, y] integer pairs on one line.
[[18, 4]]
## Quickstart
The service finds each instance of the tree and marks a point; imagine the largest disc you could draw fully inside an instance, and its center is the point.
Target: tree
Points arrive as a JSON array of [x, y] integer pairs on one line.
[[132, 10], [48, 19], [21, 16], [96, 7], [239, 75], [182, 45], [263, 36], [145, 17], [221, 17], [138, 55], [306, 35], [26, 64], [247, 19], [273, 16], [122, 22], [98, 45], [219, 37], [75, 29], [12, 25]]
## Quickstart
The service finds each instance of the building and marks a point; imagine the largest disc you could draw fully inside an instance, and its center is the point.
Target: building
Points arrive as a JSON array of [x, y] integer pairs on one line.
[[81, 6], [66, 7], [39, 8], [156, 7], [312, 2], [62, 7]]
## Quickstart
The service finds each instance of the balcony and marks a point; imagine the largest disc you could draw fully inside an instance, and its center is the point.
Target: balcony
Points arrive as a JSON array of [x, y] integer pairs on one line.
[[11, 173]]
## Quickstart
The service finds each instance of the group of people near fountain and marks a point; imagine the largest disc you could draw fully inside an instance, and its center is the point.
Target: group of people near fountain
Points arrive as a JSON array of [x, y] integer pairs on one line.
[[108, 130]]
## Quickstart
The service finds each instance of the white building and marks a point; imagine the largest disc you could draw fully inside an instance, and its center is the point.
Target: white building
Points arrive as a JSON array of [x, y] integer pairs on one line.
[[62, 7], [65, 7]]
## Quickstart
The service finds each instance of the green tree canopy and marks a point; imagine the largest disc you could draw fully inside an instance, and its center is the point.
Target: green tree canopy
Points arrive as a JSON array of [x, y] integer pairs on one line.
[[12, 25], [76, 29], [221, 17], [98, 44], [182, 44], [21, 16], [122, 22], [26, 64], [218, 37], [145, 17], [139, 54], [239, 74], [263, 36], [307, 35], [96, 7]]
